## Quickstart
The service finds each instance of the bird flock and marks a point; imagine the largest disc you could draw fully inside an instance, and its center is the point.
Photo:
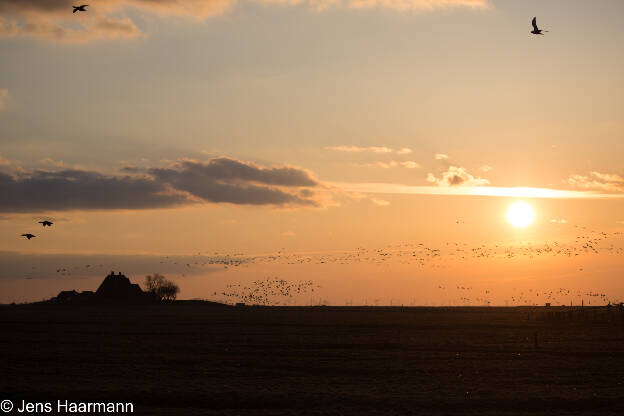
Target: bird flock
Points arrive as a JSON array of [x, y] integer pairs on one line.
[[272, 291], [584, 243], [44, 223], [532, 297], [421, 254]]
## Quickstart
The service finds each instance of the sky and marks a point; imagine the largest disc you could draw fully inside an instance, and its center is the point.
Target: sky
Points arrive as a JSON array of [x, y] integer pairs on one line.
[[343, 142]]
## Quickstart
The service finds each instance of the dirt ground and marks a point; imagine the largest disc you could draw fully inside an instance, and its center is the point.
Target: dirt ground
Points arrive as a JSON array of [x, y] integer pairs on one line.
[[189, 358]]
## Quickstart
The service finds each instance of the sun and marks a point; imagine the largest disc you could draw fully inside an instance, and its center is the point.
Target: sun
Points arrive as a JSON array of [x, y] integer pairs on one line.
[[520, 214]]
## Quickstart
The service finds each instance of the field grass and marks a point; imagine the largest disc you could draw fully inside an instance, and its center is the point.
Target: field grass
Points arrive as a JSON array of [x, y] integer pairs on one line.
[[189, 358]]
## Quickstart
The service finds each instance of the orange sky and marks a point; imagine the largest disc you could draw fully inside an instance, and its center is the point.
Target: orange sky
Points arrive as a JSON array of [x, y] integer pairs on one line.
[[264, 128]]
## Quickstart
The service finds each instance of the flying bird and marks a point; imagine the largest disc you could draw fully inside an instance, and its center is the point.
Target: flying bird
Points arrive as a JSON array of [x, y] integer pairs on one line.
[[46, 223], [80, 8], [535, 30], [28, 235]]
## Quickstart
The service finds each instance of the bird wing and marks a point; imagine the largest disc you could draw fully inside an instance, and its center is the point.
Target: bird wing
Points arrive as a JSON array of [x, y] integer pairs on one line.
[[534, 23], [75, 9]]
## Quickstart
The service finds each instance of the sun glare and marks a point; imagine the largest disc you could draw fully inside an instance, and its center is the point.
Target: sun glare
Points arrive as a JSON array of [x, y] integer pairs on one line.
[[520, 214]]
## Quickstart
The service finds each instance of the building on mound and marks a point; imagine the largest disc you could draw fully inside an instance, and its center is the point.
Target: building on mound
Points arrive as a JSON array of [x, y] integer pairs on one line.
[[116, 288]]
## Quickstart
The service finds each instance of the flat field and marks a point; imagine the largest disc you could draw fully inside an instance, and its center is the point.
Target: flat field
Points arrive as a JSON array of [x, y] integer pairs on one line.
[[193, 358]]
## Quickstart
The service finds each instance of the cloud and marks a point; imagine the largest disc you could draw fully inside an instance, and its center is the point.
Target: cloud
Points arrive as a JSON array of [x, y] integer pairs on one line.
[[408, 164], [10, 165], [596, 181], [56, 27], [53, 19], [4, 96], [42, 190], [5, 162], [377, 164], [358, 149], [380, 202], [131, 169], [372, 149], [388, 165], [412, 5], [456, 176], [357, 188], [219, 180], [52, 162], [232, 181], [115, 28], [440, 156], [486, 168]]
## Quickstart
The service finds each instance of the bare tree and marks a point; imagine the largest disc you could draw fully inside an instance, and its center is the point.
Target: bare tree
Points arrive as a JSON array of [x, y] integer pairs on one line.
[[161, 287], [152, 283], [169, 291]]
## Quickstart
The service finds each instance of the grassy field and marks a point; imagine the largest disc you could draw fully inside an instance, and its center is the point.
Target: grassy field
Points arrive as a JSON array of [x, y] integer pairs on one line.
[[189, 358]]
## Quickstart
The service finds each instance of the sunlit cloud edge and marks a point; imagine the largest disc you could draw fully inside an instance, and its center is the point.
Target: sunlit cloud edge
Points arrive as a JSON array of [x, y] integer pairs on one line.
[[514, 192]]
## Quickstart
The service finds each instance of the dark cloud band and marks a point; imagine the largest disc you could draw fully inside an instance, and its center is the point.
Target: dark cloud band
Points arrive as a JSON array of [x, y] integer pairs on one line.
[[220, 180]]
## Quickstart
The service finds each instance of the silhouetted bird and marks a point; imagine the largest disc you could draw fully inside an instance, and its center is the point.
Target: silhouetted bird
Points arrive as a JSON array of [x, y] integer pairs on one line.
[[46, 223], [80, 8], [28, 236], [535, 30]]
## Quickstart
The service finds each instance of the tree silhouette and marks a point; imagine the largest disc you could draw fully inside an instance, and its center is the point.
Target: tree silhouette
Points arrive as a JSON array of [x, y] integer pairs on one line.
[[161, 287]]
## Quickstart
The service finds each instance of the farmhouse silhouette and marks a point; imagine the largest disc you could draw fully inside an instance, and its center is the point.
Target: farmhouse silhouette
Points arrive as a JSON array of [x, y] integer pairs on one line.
[[115, 288]]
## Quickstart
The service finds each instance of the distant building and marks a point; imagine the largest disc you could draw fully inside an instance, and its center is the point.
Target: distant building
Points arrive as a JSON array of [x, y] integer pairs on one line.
[[547, 304], [71, 296], [115, 288]]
